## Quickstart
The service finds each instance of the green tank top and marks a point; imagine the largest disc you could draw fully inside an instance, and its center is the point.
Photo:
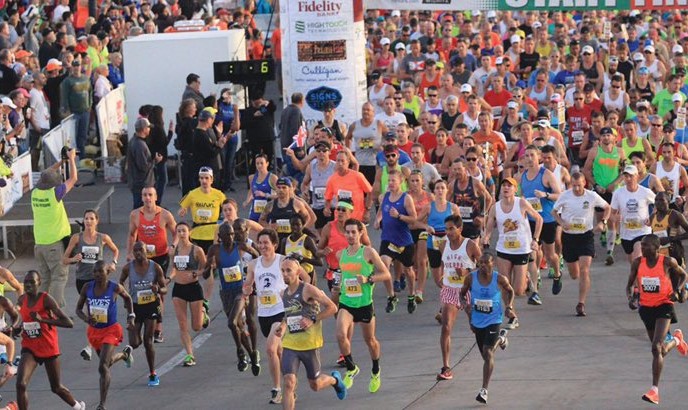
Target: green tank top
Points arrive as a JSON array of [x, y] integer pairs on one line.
[[50, 222], [384, 179], [628, 150], [630, 114], [354, 294], [605, 167], [414, 106]]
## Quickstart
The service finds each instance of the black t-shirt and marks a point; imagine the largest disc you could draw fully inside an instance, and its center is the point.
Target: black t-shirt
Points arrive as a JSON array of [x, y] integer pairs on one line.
[[52, 91], [448, 120], [261, 127], [9, 79], [529, 60], [46, 52], [626, 68]]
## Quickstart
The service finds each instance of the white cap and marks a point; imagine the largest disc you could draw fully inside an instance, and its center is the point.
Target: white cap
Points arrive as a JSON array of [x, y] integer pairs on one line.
[[635, 13], [588, 49], [396, 13], [515, 39], [677, 97], [544, 123], [400, 46], [638, 57], [491, 14], [555, 97], [385, 41], [6, 101], [630, 170], [537, 24], [613, 59], [499, 60], [476, 13], [649, 48], [466, 88], [512, 104], [677, 49]]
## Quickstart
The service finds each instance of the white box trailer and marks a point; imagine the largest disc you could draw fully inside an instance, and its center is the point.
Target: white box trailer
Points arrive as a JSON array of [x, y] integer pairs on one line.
[[156, 66]]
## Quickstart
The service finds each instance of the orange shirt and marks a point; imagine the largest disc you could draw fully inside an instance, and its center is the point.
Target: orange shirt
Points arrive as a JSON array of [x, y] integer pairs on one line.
[[276, 41], [654, 284], [352, 185]]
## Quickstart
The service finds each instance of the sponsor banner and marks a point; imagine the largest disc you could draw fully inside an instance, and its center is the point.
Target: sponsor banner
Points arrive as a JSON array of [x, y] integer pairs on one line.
[[111, 115], [20, 183], [323, 55], [544, 5], [664, 5]]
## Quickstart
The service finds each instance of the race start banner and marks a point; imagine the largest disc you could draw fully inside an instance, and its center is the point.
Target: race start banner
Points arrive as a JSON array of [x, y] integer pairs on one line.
[[323, 56]]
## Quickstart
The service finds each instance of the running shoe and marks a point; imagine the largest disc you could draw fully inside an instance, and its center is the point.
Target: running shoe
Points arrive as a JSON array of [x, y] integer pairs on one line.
[[438, 317], [189, 361], [242, 364], [411, 304], [275, 396], [128, 356], [350, 375], [535, 299], [603, 239], [82, 405], [503, 341], [206, 319], [101, 407], [375, 382], [153, 380], [206, 305], [255, 363], [617, 241], [482, 396], [652, 396], [580, 310], [561, 264], [157, 337], [681, 344], [392, 304], [339, 387], [86, 353], [445, 374], [341, 362], [610, 259], [12, 406], [557, 284], [419, 297], [397, 286], [402, 282], [512, 324], [543, 263], [550, 273]]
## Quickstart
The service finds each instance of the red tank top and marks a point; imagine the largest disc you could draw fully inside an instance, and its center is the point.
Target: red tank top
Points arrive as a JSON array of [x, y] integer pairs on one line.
[[337, 242], [425, 83], [654, 284], [150, 233], [420, 203], [39, 338]]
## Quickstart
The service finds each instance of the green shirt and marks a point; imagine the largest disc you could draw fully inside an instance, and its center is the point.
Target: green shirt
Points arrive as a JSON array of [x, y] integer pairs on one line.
[[50, 222], [355, 294], [605, 166], [75, 94], [663, 102]]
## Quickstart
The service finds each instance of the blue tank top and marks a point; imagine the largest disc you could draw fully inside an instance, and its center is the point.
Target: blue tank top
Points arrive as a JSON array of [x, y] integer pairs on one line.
[[258, 204], [231, 275], [486, 301], [542, 205], [645, 182], [395, 231], [436, 218], [104, 307]]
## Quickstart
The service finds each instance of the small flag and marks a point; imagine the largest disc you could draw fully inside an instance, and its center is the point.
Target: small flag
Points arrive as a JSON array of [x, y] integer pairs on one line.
[[301, 136]]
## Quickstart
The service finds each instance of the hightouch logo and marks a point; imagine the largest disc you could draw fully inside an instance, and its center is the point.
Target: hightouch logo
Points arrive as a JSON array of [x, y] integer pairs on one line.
[[300, 27]]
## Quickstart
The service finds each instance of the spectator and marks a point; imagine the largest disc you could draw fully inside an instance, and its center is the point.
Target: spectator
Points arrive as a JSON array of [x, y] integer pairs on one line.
[[54, 78], [75, 98], [193, 90], [157, 144], [49, 49], [258, 119], [186, 124], [206, 145], [17, 119], [229, 115], [291, 120], [102, 85], [40, 118], [8, 77], [140, 163]]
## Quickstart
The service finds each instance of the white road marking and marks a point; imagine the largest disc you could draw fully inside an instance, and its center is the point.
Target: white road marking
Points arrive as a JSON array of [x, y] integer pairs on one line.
[[179, 357]]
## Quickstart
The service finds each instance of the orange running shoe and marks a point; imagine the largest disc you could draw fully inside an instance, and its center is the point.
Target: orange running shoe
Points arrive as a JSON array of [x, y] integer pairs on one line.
[[652, 396], [681, 346]]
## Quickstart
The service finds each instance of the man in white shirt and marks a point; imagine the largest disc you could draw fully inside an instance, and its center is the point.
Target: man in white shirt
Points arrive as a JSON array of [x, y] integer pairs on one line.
[[59, 10], [388, 116], [40, 117], [102, 85]]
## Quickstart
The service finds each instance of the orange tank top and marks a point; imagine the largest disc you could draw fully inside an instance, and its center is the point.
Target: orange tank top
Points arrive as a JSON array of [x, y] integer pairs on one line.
[[654, 284], [425, 83], [151, 234], [337, 242], [39, 338]]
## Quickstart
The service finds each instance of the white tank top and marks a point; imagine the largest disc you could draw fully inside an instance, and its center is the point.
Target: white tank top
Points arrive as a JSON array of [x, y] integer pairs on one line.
[[269, 286], [435, 109], [669, 179], [617, 104], [377, 97], [514, 231], [557, 175], [644, 134], [454, 259], [471, 123], [540, 97], [366, 142]]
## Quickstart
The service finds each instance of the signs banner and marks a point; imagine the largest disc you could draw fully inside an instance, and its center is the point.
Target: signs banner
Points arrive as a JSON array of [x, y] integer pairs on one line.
[[111, 115], [663, 5], [323, 56], [20, 183], [545, 5]]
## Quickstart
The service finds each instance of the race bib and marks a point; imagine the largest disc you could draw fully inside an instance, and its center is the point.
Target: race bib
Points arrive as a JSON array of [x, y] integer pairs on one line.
[[577, 137], [633, 223], [650, 285], [661, 233], [343, 194], [259, 205], [336, 277], [231, 274], [437, 242], [482, 305], [267, 298], [396, 249], [535, 203], [319, 195], [143, 297], [512, 242], [99, 314], [89, 254], [294, 324], [150, 251], [578, 224], [455, 278], [352, 288], [181, 262], [32, 329], [283, 226], [365, 143], [423, 236], [466, 212], [204, 213]]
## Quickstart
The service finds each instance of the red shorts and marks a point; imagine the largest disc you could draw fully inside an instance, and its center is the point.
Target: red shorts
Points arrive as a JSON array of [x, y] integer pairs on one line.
[[450, 296], [111, 335]]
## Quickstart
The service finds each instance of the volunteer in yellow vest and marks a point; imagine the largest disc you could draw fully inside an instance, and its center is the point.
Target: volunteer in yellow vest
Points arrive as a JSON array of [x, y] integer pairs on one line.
[[666, 223], [205, 203], [305, 307], [51, 229], [301, 247]]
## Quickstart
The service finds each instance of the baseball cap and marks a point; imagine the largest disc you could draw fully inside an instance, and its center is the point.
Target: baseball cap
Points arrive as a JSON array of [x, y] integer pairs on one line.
[[141, 123], [466, 88], [391, 148], [515, 39], [385, 41], [512, 104], [613, 60], [651, 49], [630, 170], [638, 57], [23, 91], [211, 110], [205, 115], [82, 37], [323, 144], [643, 70], [588, 88], [677, 49], [499, 60], [491, 14], [537, 24], [205, 171], [574, 42], [400, 46], [677, 97], [53, 64], [555, 97], [588, 50], [391, 135], [396, 13], [6, 101], [284, 181], [606, 130], [22, 53], [511, 181]]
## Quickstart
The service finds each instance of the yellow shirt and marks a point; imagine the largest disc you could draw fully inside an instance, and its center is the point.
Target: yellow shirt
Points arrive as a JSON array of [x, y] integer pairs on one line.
[[205, 211]]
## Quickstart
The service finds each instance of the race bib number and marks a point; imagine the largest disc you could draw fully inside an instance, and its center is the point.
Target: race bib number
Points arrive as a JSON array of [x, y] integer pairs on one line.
[[535, 203], [578, 224], [365, 143], [319, 195], [32, 329], [89, 254], [144, 296], [294, 324], [455, 278], [336, 277], [259, 205], [466, 211], [577, 137], [181, 262], [231, 274], [650, 285], [661, 233], [423, 236], [204, 214], [343, 194], [268, 298], [512, 242], [352, 288], [99, 314], [437, 242], [633, 223], [283, 226], [396, 249], [150, 251], [482, 305]]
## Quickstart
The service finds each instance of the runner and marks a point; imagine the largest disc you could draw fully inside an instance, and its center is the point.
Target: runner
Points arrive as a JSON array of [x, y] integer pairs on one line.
[[225, 257], [188, 263], [396, 213], [361, 267], [671, 174], [6, 341], [315, 182], [574, 211], [147, 284], [670, 226], [645, 178], [104, 333], [459, 255], [660, 282], [472, 198], [279, 211], [301, 247], [7, 356], [421, 198], [487, 290], [348, 185], [305, 307], [230, 213], [151, 224], [40, 319], [262, 183]]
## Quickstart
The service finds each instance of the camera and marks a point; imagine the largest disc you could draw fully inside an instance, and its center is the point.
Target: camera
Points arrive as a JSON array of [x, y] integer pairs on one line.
[[65, 153]]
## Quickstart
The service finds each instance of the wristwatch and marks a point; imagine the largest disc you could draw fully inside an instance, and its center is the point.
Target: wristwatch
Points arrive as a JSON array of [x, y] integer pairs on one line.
[[314, 318], [370, 278]]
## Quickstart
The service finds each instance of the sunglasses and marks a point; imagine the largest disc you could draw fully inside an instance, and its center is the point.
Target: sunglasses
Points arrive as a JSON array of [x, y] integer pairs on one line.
[[616, 86], [578, 99], [647, 52], [391, 156], [432, 95], [657, 125], [322, 150], [398, 98], [471, 159], [432, 122], [341, 209]]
